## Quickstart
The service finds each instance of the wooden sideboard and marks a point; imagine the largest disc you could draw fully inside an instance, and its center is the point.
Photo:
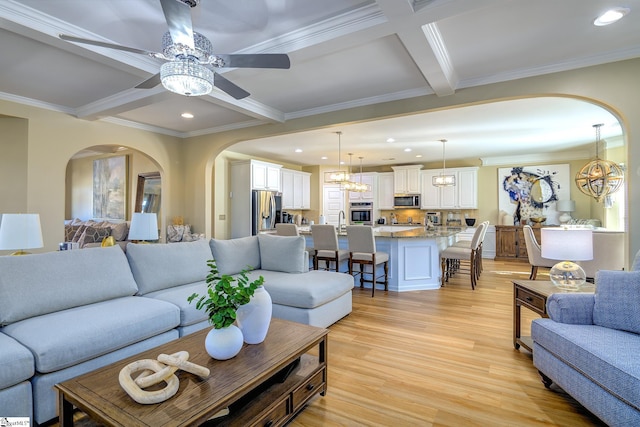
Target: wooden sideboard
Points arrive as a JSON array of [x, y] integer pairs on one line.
[[510, 244]]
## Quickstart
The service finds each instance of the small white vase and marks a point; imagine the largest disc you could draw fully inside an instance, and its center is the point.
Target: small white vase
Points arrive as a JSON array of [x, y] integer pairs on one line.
[[225, 343], [254, 317]]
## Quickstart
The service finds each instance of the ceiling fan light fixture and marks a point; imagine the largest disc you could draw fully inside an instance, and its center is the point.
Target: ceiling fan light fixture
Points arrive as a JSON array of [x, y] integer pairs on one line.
[[186, 77]]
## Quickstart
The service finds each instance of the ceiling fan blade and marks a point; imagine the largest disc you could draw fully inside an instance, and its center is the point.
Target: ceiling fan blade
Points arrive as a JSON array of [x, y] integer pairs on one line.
[[256, 60], [178, 17], [150, 83], [231, 88], [103, 44]]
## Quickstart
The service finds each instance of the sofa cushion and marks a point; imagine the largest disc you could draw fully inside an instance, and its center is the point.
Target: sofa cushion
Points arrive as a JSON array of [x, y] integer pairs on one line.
[[161, 266], [306, 290], [45, 283], [178, 295], [617, 299], [233, 256], [68, 337], [282, 253], [16, 362], [608, 357], [119, 231]]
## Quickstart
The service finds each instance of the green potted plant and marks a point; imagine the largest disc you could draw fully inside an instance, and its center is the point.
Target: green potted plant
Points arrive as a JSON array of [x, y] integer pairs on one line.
[[225, 294]]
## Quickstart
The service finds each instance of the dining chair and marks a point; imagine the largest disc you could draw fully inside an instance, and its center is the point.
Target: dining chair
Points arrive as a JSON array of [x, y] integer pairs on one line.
[[534, 252], [608, 253], [451, 258], [362, 251], [287, 229], [325, 243]]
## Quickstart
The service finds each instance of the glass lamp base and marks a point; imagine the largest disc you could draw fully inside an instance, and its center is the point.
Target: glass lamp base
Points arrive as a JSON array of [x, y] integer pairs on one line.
[[568, 276]]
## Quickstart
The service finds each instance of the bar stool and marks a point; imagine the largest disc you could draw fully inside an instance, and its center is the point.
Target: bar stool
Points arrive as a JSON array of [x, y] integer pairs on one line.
[[451, 258], [362, 251], [325, 243]]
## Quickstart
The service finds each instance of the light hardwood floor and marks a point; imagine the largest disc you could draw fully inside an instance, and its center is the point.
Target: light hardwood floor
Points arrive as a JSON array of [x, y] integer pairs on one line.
[[437, 358]]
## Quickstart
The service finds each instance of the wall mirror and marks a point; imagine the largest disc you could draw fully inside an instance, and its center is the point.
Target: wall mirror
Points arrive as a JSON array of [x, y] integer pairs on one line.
[[148, 193]]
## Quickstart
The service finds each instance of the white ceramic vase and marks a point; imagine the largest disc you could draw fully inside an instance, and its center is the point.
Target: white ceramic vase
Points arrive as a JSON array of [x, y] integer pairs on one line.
[[254, 317], [225, 343]]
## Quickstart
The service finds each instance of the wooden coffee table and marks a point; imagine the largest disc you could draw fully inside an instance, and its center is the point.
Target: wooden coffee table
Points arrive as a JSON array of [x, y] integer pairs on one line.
[[252, 384]]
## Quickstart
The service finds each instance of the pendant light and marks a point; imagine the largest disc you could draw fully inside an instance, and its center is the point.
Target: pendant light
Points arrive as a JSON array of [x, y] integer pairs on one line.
[[350, 185], [443, 180], [338, 177], [360, 187], [599, 178]]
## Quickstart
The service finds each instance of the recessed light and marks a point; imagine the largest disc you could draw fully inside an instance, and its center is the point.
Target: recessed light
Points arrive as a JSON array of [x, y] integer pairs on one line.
[[418, 155], [611, 16], [407, 150], [391, 140], [298, 150], [324, 158], [187, 115]]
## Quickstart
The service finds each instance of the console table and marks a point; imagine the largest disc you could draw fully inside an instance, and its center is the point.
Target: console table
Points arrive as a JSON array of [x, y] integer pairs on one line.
[[265, 384]]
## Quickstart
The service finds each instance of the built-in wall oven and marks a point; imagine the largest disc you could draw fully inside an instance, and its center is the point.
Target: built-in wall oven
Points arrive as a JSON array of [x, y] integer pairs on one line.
[[361, 213]]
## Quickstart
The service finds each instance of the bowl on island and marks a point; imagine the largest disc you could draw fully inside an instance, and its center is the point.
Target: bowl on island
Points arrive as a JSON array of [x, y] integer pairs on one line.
[[537, 219]]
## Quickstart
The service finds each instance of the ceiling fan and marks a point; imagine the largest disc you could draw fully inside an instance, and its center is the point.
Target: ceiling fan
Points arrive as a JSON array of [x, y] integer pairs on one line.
[[189, 56]]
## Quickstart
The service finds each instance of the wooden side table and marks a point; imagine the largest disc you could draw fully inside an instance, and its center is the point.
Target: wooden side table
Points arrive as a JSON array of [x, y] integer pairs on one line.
[[533, 295]]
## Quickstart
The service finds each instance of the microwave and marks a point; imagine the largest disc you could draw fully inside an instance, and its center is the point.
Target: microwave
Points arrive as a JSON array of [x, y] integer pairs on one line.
[[406, 201]]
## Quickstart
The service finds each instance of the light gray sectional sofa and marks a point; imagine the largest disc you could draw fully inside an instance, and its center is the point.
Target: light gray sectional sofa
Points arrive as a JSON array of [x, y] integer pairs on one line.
[[67, 313], [590, 346]]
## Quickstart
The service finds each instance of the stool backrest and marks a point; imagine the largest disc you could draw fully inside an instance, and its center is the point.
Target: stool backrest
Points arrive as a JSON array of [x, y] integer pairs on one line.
[[360, 238], [324, 237], [287, 229]]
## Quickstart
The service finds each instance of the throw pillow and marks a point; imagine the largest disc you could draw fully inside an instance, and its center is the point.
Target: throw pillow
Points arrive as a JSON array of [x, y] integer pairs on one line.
[[70, 231], [119, 231], [93, 235], [78, 233], [617, 299], [282, 253], [233, 256]]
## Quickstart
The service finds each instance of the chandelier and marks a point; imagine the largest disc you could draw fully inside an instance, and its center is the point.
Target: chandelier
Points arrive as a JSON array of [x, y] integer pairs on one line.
[[338, 177], [353, 186], [443, 180], [599, 178]]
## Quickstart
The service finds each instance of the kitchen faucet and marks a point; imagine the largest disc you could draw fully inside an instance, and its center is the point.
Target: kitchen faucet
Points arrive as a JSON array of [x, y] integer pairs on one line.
[[341, 216]]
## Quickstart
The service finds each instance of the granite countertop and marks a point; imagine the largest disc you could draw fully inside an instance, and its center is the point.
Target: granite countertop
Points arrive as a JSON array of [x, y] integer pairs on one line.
[[402, 231]]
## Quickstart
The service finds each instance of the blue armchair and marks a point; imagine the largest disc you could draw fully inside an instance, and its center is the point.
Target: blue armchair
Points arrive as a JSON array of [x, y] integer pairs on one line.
[[590, 346]]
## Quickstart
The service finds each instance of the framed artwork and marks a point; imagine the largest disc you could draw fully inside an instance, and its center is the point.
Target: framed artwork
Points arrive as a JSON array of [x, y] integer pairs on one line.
[[532, 191], [110, 188]]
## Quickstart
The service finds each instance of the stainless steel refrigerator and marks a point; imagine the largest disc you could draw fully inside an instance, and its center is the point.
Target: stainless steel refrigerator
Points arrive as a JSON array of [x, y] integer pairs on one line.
[[265, 210]]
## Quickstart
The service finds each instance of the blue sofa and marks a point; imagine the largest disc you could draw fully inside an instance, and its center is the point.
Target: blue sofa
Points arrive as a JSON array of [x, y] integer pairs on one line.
[[590, 346], [67, 313]]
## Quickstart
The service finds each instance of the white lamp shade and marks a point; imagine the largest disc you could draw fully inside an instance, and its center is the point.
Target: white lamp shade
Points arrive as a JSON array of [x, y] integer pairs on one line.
[[570, 244], [144, 226], [565, 205], [20, 231]]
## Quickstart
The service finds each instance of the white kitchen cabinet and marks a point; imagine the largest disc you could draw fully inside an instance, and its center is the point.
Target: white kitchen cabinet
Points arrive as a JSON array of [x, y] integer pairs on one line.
[[296, 189], [385, 190], [369, 178], [463, 195], [406, 179], [265, 176]]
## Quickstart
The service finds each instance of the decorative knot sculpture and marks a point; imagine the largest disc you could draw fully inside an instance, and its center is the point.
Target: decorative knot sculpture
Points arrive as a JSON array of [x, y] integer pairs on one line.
[[155, 372]]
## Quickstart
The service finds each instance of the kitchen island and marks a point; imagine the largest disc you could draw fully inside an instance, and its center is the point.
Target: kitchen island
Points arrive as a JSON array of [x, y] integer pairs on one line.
[[414, 253]]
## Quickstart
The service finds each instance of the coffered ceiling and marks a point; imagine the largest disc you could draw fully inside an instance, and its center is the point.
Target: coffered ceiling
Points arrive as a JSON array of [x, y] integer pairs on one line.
[[344, 53]]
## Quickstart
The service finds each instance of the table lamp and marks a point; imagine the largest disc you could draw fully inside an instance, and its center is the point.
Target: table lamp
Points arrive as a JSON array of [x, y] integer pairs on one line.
[[20, 231], [566, 207], [563, 243], [144, 227]]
